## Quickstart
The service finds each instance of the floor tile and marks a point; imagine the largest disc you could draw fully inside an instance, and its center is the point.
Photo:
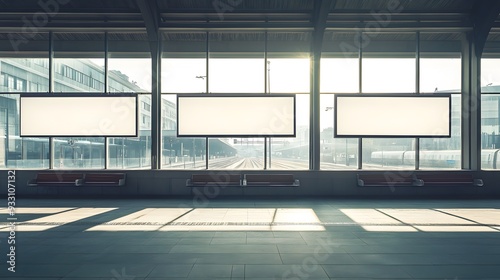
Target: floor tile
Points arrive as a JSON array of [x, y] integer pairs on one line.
[[441, 245], [285, 271], [366, 271], [239, 259], [111, 270], [214, 271], [171, 270]]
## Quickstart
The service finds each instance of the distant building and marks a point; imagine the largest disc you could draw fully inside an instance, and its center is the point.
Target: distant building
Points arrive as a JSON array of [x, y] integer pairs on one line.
[[70, 75]]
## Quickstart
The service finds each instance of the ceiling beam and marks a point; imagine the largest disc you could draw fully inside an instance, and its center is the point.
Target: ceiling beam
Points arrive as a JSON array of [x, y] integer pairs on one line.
[[151, 15], [16, 26], [319, 16], [204, 26], [408, 26], [320, 13], [484, 15]]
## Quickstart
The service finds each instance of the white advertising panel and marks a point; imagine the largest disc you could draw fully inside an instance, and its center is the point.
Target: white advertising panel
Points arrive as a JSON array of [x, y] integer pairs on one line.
[[66, 115], [392, 116], [235, 116]]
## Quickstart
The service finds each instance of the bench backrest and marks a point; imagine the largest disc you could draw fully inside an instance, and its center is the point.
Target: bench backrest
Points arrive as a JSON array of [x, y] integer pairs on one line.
[[104, 177], [215, 179], [58, 177], [270, 178], [436, 177], [384, 177]]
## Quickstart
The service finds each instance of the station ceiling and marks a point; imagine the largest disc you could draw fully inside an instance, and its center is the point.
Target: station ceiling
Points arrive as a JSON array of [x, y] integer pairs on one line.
[[229, 14], [144, 20]]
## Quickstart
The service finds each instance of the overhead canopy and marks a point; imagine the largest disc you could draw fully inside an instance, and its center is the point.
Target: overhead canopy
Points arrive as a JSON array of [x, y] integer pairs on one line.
[[234, 26]]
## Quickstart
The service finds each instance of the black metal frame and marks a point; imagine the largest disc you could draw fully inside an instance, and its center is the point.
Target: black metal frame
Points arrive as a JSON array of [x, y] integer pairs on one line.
[[477, 18], [204, 95], [70, 95], [335, 107]]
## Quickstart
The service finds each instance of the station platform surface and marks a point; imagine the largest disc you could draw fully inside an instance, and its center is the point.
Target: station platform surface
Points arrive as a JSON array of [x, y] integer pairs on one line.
[[251, 238]]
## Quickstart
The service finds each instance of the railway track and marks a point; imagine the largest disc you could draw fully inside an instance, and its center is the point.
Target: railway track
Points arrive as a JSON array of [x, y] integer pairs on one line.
[[238, 163]]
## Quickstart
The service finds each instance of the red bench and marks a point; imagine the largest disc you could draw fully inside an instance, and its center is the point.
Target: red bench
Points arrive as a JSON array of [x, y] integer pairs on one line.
[[270, 180], [450, 179], [102, 180], [55, 179], [249, 180], [58, 179], [203, 180], [388, 179]]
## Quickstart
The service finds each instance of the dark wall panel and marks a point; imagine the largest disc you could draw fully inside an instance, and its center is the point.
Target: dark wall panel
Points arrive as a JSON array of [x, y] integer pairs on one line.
[[313, 183]]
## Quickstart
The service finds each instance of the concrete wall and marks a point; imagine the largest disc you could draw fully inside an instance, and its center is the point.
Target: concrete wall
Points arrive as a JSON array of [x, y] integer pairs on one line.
[[313, 183]]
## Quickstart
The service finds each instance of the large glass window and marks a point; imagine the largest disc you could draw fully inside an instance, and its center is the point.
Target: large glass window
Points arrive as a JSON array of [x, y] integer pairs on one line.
[[444, 153], [292, 153], [490, 111], [184, 75], [236, 62], [440, 72], [388, 75], [340, 63], [129, 74], [490, 77], [129, 65], [16, 151], [79, 62], [78, 67], [389, 153], [336, 153], [288, 75], [184, 70], [388, 62], [490, 104], [180, 152], [24, 67], [288, 71], [184, 63], [490, 131], [237, 65], [339, 74], [133, 152], [24, 74], [78, 152], [388, 66], [242, 63], [24, 64]]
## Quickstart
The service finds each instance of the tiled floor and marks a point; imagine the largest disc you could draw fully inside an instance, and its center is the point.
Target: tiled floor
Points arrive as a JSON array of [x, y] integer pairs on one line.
[[252, 239]]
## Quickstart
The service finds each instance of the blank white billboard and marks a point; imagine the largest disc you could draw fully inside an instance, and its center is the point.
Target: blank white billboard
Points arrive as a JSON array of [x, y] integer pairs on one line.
[[392, 116], [235, 116], [66, 115]]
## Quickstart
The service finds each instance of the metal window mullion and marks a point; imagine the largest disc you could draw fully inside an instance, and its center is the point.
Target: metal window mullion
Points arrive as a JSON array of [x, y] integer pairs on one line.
[[106, 65], [360, 85], [155, 123], [474, 108], [158, 105], [466, 80], [266, 81], [51, 90], [207, 52], [207, 58], [106, 68], [314, 130], [417, 91]]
